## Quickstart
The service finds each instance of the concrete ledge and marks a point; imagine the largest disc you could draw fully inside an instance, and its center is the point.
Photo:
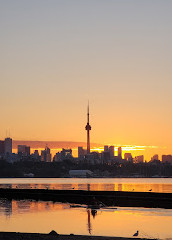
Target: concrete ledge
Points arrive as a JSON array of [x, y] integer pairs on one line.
[[109, 198], [41, 236]]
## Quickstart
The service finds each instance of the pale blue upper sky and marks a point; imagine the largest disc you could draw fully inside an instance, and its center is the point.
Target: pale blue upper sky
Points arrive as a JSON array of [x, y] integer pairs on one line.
[[55, 55]]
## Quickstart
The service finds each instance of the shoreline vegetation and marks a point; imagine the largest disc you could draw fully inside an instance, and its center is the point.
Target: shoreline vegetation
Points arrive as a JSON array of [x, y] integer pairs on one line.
[[55, 236], [39, 169]]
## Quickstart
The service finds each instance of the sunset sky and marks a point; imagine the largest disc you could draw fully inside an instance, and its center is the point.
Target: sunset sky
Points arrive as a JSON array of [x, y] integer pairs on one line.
[[56, 55]]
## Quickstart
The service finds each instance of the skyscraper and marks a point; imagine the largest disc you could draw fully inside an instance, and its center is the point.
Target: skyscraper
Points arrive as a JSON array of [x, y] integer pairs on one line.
[[106, 148], [23, 150], [128, 156], [120, 152], [88, 128], [46, 155], [111, 150], [81, 152], [8, 145], [2, 147]]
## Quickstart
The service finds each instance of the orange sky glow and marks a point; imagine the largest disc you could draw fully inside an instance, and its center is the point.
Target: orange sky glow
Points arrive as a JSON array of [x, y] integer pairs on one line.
[[55, 57]]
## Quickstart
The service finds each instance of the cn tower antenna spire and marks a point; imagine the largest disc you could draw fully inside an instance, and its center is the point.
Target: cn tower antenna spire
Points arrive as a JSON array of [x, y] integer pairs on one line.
[[88, 113], [88, 129]]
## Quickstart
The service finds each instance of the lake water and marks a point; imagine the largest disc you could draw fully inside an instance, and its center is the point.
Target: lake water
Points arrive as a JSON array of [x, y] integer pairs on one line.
[[106, 184], [32, 216], [39, 216]]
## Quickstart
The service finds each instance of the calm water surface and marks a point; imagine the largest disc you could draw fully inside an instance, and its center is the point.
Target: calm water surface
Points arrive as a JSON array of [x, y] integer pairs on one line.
[[33, 216], [105, 184]]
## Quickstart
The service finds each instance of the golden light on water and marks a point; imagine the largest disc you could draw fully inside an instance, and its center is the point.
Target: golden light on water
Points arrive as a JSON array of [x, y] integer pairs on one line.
[[112, 184], [32, 216]]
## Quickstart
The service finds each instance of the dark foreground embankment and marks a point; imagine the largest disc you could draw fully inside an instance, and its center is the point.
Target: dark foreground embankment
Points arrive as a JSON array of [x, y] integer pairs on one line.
[[109, 198], [40, 236]]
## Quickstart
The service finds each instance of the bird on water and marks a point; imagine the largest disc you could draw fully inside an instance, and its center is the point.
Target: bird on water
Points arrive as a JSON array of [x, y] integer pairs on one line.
[[136, 234]]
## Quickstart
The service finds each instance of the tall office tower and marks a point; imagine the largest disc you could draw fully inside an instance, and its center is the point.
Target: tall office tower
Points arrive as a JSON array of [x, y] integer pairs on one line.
[[23, 150], [46, 155], [127, 156], [8, 146], [111, 151], [88, 129], [139, 159], [80, 152], [120, 152], [106, 148], [2, 147], [166, 158], [155, 157], [27, 150]]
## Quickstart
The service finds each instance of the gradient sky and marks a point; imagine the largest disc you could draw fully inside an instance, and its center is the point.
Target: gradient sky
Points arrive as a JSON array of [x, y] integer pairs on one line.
[[55, 55]]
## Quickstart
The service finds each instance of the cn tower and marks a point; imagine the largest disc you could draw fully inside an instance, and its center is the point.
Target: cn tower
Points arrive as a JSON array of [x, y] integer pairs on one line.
[[88, 129]]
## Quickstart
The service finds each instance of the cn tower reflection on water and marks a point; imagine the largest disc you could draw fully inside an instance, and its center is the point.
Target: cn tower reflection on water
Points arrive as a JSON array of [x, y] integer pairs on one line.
[[90, 212], [43, 217], [10, 207]]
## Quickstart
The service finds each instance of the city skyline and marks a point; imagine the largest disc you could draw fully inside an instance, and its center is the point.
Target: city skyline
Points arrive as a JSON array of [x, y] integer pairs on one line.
[[124, 152], [63, 163], [57, 56], [39, 147]]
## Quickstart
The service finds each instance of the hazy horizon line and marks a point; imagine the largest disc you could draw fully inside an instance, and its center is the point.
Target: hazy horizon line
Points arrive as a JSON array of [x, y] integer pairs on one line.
[[74, 144]]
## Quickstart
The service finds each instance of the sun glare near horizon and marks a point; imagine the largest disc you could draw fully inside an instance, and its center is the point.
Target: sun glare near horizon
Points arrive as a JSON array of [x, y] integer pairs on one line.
[[57, 56]]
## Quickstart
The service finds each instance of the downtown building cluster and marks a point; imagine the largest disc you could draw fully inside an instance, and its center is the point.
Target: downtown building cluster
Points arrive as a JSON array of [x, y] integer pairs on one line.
[[107, 156], [85, 156], [93, 157]]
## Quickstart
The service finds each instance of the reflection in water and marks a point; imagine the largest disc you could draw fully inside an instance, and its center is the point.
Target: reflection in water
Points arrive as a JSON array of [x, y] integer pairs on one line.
[[6, 207], [88, 187], [93, 213], [89, 222], [33, 216], [137, 187], [120, 187], [90, 184]]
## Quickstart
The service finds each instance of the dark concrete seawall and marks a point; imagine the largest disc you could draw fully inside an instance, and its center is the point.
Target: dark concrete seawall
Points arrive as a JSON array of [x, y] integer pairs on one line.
[[109, 198], [41, 236]]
